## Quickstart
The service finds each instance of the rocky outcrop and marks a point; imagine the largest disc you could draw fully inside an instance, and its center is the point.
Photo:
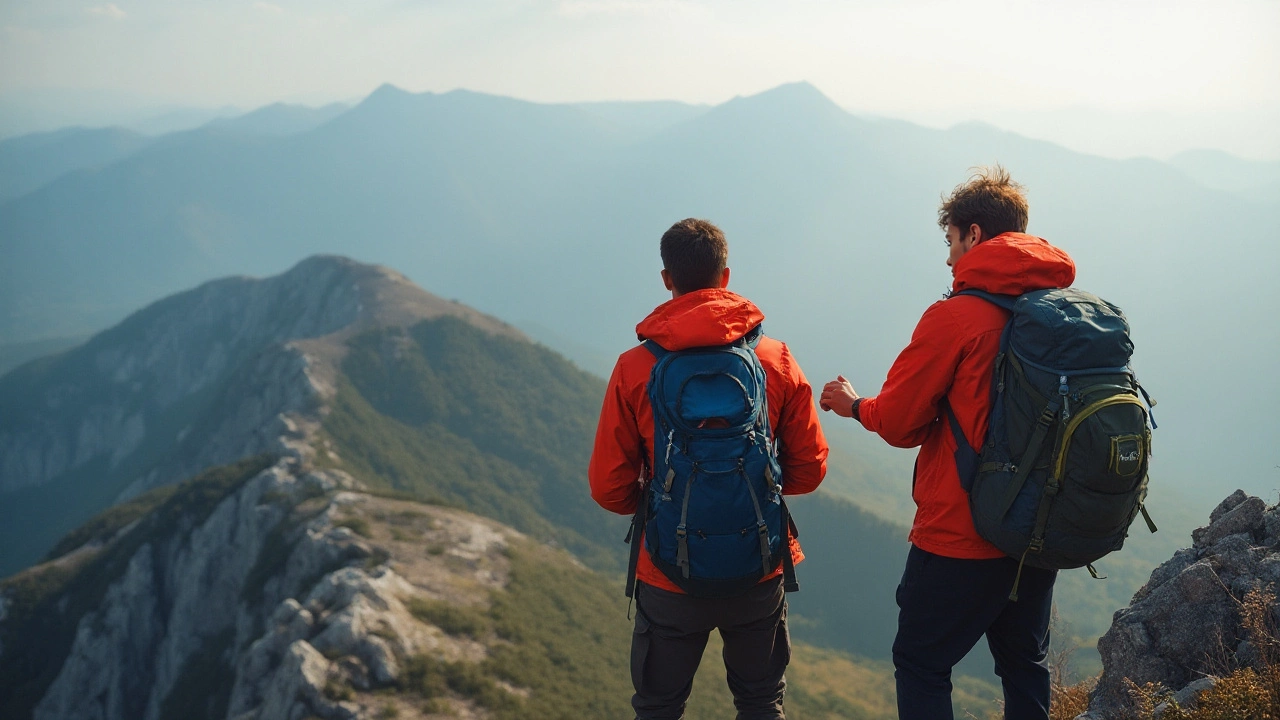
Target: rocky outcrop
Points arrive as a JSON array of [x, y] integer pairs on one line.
[[1184, 626], [277, 596]]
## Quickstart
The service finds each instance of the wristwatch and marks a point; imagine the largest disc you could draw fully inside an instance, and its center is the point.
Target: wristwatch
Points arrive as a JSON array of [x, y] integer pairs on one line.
[[854, 410]]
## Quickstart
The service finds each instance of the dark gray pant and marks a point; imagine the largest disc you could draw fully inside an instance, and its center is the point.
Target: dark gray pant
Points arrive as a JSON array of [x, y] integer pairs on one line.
[[671, 634]]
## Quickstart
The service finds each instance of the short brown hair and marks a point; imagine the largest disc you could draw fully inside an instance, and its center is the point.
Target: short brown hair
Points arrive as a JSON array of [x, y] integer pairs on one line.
[[990, 199], [694, 254]]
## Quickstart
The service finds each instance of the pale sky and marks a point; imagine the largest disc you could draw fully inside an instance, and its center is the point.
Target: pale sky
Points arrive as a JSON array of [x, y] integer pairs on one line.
[[1115, 77]]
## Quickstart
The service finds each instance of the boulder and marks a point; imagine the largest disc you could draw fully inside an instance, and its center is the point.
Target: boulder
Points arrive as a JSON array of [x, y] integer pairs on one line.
[[1184, 625]]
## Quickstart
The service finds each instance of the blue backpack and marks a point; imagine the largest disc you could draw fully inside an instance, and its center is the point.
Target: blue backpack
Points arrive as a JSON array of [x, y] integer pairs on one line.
[[712, 516], [1063, 472]]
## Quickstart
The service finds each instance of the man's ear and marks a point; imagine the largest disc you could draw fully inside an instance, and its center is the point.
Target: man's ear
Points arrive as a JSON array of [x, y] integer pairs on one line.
[[724, 279], [978, 236], [666, 280]]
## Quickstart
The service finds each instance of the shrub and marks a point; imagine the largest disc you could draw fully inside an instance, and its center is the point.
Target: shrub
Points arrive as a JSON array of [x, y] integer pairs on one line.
[[453, 619], [357, 525]]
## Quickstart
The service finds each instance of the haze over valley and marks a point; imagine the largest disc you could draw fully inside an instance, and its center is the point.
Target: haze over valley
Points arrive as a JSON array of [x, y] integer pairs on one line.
[[173, 304]]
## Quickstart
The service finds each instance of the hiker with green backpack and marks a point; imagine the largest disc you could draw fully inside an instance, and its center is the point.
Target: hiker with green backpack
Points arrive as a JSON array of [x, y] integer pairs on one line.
[[1034, 441]]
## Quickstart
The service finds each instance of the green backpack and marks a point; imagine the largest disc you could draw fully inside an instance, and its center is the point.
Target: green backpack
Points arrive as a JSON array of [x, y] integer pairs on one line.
[[1063, 472]]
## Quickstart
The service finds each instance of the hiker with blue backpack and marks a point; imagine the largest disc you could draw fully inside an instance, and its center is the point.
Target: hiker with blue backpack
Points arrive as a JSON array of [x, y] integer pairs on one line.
[[1034, 440], [705, 427]]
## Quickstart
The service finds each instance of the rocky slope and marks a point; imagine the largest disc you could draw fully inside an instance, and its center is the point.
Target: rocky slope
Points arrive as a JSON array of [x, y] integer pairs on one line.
[[284, 595], [1185, 627], [233, 368], [269, 590]]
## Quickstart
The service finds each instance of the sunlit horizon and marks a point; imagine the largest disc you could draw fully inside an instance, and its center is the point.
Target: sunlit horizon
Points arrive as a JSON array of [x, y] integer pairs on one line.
[[1118, 79]]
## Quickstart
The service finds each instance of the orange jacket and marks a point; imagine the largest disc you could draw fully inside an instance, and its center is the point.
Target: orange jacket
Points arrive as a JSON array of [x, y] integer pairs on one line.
[[624, 437], [952, 354]]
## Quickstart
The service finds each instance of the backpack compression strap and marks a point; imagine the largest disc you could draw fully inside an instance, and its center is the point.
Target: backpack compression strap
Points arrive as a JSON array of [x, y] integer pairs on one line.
[[638, 521], [789, 581]]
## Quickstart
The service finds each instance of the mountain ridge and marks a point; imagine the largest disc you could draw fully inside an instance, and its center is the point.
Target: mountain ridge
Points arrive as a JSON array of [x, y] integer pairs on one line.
[[79, 410]]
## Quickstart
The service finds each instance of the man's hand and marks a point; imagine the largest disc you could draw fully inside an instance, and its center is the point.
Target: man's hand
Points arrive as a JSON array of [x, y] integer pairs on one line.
[[838, 396]]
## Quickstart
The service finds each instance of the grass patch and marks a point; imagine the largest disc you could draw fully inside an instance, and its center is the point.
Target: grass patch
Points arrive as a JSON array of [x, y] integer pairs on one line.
[[357, 525], [433, 678], [453, 619], [449, 414]]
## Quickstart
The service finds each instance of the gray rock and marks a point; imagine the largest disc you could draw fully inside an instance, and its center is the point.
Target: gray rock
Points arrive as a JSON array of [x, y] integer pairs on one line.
[[1167, 570], [1227, 505], [297, 687], [1186, 697], [1245, 517], [1176, 628]]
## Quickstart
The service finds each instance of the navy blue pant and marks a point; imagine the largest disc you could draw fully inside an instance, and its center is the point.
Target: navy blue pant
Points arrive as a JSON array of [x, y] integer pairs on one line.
[[945, 606]]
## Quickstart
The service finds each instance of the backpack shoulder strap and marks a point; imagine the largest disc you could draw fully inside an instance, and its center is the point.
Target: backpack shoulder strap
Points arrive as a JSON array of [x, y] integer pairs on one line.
[[752, 338], [1005, 301], [653, 347]]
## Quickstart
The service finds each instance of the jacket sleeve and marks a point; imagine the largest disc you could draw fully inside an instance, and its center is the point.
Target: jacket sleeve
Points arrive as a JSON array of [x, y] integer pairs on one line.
[[803, 446], [617, 462], [907, 405]]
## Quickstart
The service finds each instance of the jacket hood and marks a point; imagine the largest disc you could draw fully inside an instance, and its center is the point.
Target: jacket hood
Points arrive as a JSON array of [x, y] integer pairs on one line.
[[1013, 264], [700, 318]]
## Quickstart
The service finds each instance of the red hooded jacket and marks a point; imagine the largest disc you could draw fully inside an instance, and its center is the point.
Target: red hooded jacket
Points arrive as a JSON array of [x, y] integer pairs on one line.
[[952, 354], [624, 437]]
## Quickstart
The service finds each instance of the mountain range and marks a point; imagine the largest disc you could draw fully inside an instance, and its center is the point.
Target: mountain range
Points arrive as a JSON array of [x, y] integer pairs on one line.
[[548, 215]]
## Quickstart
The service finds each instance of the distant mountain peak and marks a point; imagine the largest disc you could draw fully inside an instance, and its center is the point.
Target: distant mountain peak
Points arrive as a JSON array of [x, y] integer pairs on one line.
[[799, 95], [387, 90]]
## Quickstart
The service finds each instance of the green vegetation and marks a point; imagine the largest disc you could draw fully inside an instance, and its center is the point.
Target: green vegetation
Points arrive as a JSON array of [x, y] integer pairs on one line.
[[453, 619], [48, 602], [432, 678], [356, 524], [110, 521], [450, 414]]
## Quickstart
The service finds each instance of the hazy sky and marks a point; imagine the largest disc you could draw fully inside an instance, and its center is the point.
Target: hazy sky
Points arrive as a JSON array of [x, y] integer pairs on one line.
[[1118, 77]]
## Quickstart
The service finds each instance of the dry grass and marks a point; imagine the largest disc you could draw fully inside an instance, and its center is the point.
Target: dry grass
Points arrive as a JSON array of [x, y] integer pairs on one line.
[[1068, 701], [1248, 693]]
